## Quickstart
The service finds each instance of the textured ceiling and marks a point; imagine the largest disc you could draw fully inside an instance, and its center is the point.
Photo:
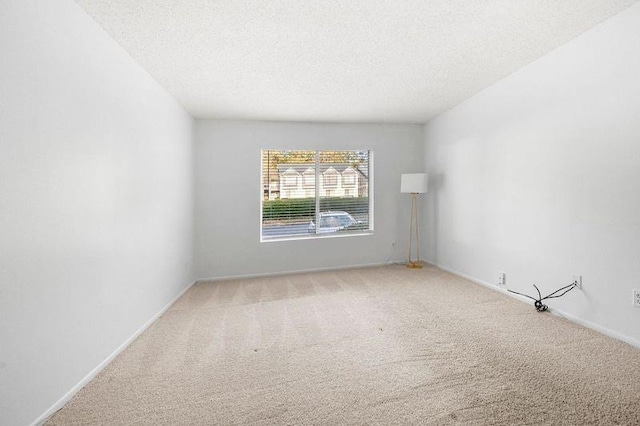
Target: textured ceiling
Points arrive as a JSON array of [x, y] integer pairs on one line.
[[338, 60]]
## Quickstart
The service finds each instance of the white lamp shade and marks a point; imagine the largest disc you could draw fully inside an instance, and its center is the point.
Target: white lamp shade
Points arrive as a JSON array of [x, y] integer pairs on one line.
[[414, 182]]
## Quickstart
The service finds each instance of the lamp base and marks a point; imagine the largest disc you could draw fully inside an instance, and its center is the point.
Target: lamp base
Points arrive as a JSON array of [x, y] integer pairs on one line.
[[414, 265]]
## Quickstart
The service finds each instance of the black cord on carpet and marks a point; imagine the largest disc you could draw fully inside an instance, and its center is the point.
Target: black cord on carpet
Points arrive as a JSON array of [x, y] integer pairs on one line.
[[541, 307]]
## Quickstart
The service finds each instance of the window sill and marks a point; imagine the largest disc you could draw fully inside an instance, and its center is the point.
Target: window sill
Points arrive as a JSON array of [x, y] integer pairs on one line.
[[316, 236]]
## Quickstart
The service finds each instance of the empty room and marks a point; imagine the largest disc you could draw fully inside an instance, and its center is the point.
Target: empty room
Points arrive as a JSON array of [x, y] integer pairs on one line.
[[319, 212]]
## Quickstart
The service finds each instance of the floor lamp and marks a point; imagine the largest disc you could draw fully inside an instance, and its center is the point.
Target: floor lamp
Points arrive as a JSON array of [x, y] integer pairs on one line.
[[414, 183]]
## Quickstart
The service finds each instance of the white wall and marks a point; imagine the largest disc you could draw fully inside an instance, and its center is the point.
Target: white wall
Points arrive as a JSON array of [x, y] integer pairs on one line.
[[539, 176], [228, 196], [95, 201]]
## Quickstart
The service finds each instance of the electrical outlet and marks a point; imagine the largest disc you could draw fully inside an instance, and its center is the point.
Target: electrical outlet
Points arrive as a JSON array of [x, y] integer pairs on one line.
[[636, 298], [577, 280], [502, 279]]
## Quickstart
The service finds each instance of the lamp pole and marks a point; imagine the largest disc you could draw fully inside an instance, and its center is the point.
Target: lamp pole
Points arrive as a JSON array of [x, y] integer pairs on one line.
[[414, 221]]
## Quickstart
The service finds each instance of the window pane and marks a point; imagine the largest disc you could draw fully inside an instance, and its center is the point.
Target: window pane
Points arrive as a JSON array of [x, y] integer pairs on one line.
[[288, 203], [344, 191]]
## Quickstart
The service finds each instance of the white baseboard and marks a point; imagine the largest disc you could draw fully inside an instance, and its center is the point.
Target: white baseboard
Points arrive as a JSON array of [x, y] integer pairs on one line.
[[297, 271], [606, 331], [62, 401]]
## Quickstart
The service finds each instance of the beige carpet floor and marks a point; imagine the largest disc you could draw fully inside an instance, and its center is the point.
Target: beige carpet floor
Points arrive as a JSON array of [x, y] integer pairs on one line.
[[383, 345]]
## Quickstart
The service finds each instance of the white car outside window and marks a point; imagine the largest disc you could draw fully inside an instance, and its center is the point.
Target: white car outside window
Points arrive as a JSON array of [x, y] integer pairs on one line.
[[333, 222]]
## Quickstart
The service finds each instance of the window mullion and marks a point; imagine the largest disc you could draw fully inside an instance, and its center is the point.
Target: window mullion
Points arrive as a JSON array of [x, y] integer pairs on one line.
[[317, 191]]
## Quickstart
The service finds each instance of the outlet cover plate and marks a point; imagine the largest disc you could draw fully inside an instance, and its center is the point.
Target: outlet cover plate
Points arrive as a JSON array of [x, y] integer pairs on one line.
[[577, 279]]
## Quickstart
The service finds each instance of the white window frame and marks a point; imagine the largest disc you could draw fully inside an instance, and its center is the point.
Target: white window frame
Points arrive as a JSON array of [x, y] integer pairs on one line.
[[318, 176]]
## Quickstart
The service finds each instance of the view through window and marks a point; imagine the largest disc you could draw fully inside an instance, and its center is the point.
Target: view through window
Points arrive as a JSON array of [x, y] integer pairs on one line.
[[310, 193]]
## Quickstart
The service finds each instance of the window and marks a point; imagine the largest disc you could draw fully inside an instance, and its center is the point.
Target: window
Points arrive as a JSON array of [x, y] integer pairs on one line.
[[349, 177], [330, 178], [289, 179], [315, 193]]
